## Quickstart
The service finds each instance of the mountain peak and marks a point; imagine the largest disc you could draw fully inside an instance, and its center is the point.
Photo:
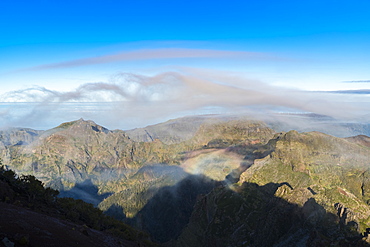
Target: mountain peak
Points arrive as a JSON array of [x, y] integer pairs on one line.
[[83, 125]]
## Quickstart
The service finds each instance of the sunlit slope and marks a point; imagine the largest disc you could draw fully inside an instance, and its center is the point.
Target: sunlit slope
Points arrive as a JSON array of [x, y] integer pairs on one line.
[[314, 160], [312, 189], [80, 150]]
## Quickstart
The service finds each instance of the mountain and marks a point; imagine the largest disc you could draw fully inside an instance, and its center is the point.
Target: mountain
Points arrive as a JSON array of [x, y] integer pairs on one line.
[[172, 131], [80, 153], [181, 129], [18, 136], [32, 215], [311, 189], [218, 182]]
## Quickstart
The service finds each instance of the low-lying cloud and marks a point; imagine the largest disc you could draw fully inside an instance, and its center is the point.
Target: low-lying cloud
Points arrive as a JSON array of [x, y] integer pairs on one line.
[[134, 99]]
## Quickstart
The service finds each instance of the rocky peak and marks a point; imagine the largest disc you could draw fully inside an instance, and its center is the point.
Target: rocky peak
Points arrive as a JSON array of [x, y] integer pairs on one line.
[[83, 126]]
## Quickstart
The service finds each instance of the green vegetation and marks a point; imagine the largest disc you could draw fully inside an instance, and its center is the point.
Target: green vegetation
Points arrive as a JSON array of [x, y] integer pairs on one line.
[[66, 125], [27, 191]]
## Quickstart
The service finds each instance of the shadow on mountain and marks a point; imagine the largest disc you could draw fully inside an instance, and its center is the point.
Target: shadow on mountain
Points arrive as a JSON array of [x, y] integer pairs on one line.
[[85, 191], [199, 211], [160, 170], [116, 211], [169, 210]]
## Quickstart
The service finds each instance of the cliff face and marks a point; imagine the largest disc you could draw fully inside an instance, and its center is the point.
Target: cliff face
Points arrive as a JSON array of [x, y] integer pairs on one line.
[[224, 183]]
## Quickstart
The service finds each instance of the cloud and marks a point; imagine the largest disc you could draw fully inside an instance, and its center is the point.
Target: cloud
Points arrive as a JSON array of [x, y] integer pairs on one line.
[[139, 99], [147, 54], [358, 81], [353, 91]]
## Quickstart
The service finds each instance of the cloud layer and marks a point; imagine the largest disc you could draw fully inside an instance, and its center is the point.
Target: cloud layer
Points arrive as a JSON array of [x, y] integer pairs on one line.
[[358, 81], [148, 54], [353, 91], [143, 99]]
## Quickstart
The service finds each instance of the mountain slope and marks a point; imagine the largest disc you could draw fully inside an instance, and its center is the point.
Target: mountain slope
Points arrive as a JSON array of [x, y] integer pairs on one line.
[[311, 190], [82, 152], [28, 228], [182, 129], [33, 215]]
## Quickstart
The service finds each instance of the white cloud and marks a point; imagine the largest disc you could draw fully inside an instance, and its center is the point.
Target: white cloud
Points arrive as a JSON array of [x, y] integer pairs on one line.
[[147, 99]]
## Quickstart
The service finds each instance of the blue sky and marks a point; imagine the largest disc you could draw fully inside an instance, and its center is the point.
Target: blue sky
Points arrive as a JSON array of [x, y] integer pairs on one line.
[[60, 47]]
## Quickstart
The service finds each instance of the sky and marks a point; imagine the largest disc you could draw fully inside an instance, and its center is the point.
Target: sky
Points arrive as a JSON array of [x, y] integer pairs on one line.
[[148, 61]]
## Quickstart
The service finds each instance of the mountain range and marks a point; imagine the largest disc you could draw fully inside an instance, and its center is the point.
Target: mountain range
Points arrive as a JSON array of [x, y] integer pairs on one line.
[[210, 180]]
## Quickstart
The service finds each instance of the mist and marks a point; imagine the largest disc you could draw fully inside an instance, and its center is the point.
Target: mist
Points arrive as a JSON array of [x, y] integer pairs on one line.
[[129, 100]]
